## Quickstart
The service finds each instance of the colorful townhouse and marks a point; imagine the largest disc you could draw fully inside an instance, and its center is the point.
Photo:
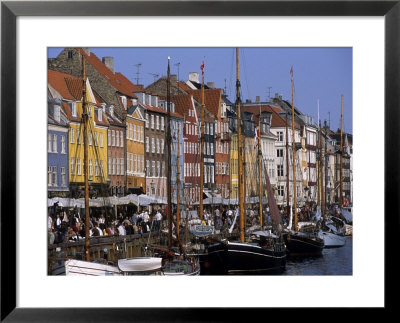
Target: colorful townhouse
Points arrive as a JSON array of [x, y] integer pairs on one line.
[[184, 105], [57, 148], [69, 89]]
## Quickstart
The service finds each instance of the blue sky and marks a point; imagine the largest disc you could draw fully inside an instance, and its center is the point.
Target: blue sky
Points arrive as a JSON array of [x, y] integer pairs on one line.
[[322, 74]]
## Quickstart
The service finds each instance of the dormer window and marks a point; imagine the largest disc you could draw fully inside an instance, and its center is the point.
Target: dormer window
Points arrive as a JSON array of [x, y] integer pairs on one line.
[[123, 99], [72, 106], [70, 54], [100, 114]]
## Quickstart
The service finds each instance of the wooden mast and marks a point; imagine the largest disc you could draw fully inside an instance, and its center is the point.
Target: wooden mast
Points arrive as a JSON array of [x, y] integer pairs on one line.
[[326, 167], [260, 194], [202, 143], [294, 159], [240, 153], [85, 161], [287, 171], [178, 184], [169, 212], [341, 157], [321, 173]]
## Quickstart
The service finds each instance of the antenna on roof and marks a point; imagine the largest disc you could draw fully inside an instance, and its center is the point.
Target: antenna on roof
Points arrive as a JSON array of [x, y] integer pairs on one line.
[[177, 64], [137, 73], [155, 76], [269, 92]]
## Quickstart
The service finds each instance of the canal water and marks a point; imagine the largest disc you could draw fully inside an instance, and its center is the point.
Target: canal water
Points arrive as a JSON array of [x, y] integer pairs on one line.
[[334, 261]]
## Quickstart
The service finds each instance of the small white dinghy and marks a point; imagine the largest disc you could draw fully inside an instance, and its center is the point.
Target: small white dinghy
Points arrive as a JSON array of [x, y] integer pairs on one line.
[[140, 265], [73, 267]]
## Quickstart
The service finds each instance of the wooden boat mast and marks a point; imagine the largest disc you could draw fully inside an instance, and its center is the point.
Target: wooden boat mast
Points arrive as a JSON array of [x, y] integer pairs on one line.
[[202, 144], [261, 193], [341, 157], [85, 160], [169, 211], [178, 184], [294, 159], [321, 174], [326, 168], [287, 171], [240, 153]]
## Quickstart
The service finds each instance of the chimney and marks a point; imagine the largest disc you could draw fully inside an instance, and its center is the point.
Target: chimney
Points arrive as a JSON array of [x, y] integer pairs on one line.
[[248, 101], [109, 62], [86, 50], [210, 85], [194, 77], [257, 98], [173, 78]]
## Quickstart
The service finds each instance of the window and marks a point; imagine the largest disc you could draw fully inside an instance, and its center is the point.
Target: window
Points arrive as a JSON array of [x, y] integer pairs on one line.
[[134, 163], [63, 180], [54, 143], [113, 172], [121, 139], [211, 148], [280, 190], [158, 169], [101, 139], [153, 146], [49, 175], [147, 120], [141, 133], [72, 162], [49, 144], [153, 166], [72, 136], [162, 123], [117, 138], [90, 167], [73, 108], [101, 168], [211, 129], [147, 168], [117, 165], [280, 135], [147, 144], [70, 54], [157, 122], [96, 168], [152, 121], [95, 139], [142, 169], [279, 153], [109, 137], [122, 166], [158, 146], [113, 137], [280, 170], [78, 166]]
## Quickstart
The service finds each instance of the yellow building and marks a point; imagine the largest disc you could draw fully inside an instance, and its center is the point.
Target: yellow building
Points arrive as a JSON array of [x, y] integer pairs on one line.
[[135, 171], [234, 184], [69, 89]]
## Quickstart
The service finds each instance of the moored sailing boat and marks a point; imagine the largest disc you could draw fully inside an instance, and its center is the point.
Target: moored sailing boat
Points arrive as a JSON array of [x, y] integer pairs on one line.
[[306, 242], [264, 252]]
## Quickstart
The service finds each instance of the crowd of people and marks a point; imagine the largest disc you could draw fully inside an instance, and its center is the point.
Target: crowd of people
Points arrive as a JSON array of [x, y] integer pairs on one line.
[[63, 227], [68, 225]]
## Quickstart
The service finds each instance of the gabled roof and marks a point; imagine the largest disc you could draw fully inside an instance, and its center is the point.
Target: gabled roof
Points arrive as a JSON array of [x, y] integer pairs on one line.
[[182, 103], [115, 80], [68, 86], [212, 99]]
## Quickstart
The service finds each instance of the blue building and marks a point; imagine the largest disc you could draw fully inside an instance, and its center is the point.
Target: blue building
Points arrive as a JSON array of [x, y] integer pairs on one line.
[[57, 150], [177, 138]]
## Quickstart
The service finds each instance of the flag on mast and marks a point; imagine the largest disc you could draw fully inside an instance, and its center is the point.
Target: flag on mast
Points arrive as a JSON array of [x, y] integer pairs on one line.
[[257, 130], [202, 67]]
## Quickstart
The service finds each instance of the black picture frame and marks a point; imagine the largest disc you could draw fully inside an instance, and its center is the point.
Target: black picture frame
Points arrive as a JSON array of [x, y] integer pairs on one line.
[[10, 10]]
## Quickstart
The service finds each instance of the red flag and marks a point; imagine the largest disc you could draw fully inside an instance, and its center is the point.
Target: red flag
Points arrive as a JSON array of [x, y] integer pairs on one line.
[[202, 67], [257, 131]]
